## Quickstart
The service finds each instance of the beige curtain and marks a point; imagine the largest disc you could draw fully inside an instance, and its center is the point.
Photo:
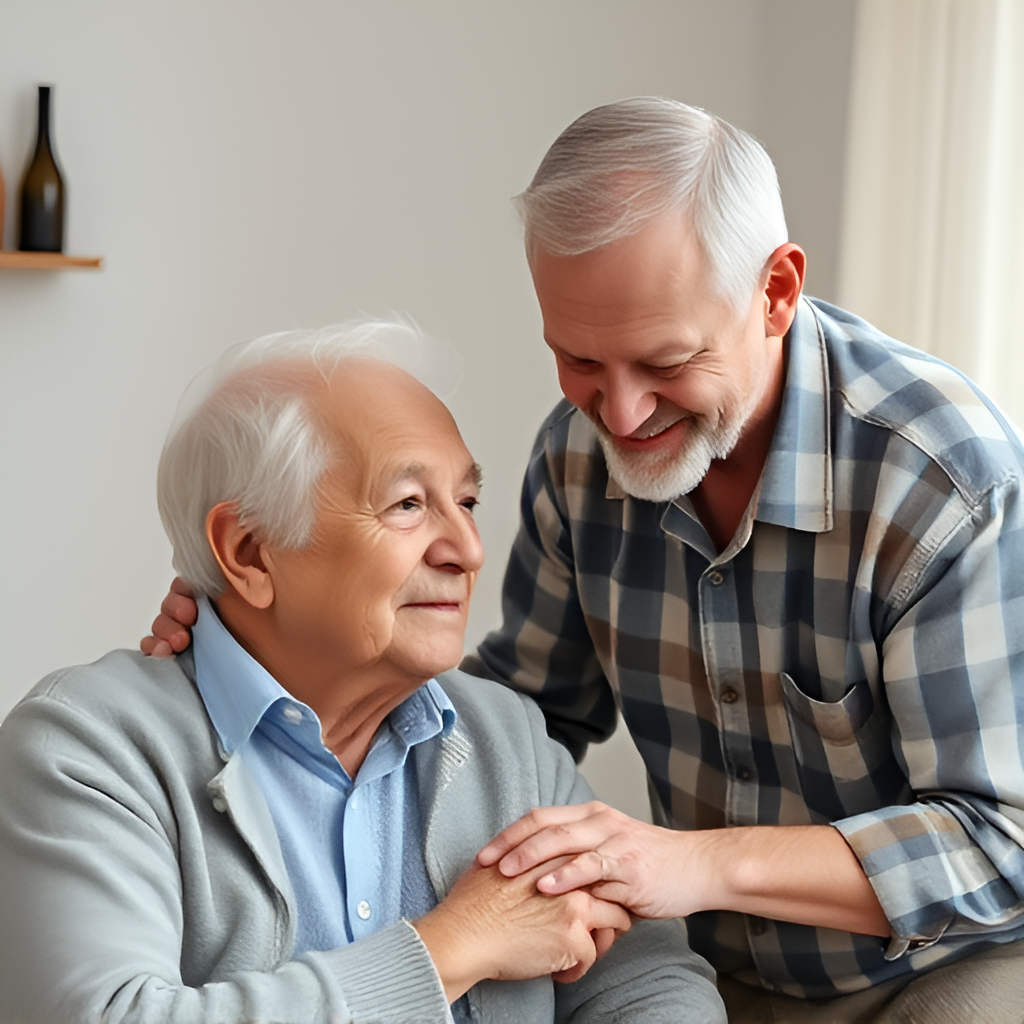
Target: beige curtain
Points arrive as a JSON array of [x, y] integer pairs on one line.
[[933, 220]]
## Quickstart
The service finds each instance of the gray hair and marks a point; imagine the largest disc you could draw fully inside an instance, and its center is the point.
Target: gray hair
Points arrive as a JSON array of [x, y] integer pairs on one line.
[[620, 166], [247, 433]]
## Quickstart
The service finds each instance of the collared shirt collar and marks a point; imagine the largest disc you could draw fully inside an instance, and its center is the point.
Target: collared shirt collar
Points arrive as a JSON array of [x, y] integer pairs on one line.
[[238, 691], [796, 483]]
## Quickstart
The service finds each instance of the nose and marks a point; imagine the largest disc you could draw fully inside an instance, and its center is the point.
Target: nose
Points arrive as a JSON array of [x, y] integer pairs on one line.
[[624, 402], [457, 548]]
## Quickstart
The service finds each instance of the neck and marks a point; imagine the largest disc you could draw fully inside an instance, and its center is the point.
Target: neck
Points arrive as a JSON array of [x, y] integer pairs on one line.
[[350, 701], [722, 497]]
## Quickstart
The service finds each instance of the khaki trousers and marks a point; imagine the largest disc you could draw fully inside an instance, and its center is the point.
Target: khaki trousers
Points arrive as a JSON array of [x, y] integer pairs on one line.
[[986, 987]]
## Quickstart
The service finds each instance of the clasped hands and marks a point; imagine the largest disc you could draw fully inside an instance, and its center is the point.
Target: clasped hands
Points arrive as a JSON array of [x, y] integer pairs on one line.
[[548, 895]]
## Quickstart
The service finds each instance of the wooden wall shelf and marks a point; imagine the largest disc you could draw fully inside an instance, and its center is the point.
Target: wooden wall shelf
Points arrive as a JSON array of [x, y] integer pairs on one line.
[[13, 260]]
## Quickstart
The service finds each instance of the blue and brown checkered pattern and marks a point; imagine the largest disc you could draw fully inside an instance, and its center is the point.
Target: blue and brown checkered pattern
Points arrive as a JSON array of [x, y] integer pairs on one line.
[[854, 657]]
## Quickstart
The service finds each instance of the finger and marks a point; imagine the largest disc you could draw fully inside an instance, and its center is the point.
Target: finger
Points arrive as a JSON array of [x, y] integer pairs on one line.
[[569, 975], [180, 609], [528, 825], [602, 914], [582, 871], [170, 630], [570, 838], [619, 892], [604, 939], [155, 648], [183, 587]]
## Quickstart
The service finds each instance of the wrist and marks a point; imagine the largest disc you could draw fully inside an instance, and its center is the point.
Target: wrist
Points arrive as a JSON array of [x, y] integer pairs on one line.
[[456, 959], [710, 870]]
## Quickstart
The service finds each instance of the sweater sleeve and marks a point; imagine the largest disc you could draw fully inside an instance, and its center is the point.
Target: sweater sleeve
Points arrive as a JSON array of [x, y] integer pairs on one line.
[[92, 926]]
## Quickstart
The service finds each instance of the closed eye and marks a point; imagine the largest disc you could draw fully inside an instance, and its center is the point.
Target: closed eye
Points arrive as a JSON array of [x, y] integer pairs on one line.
[[576, 363], [665, 371]]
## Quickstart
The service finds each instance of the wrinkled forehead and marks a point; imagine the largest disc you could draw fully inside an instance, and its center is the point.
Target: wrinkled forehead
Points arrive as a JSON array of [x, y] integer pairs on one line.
[[383, 422]]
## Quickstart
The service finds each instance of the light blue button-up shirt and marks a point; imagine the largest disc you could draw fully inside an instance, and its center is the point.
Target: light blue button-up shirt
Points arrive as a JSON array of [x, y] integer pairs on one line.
[[353, 849]]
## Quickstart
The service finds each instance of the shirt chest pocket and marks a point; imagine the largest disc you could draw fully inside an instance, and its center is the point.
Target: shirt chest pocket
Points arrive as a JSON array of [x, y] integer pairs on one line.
[[843, 751]]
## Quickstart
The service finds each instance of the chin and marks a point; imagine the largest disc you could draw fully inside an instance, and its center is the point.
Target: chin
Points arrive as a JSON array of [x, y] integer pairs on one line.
[[431, 660]]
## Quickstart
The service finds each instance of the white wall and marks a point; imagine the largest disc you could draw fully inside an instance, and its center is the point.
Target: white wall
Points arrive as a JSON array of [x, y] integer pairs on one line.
[[246, 167]]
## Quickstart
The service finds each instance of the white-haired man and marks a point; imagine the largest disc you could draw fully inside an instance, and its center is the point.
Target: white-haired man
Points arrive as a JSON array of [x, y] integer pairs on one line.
[[790, 550], [278, 826]]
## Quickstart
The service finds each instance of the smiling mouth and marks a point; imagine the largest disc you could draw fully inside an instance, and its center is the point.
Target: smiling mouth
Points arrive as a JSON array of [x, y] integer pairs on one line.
[[656, 431], [649, 438], [443, 606]]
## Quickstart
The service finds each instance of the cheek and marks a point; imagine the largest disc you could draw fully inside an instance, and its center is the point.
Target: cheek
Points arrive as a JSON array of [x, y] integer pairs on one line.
[[344, 592], [705, 391]]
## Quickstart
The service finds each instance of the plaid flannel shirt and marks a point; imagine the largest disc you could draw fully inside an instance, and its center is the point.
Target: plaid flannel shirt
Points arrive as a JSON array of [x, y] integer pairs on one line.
[[854, 657]]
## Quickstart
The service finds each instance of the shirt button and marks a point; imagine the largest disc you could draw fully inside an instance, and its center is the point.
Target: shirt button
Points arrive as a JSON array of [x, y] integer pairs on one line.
[[717, 579], [743, 774], [363, 910], [730, 696], [758, 926], [220, 804], [293, 714]]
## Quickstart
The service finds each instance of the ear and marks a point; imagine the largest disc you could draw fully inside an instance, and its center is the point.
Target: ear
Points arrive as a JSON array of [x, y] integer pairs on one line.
[[785, 271], [239, 555]]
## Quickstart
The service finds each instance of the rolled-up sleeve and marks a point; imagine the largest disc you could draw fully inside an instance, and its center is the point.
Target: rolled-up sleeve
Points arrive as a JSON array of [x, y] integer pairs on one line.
[[952, 862]]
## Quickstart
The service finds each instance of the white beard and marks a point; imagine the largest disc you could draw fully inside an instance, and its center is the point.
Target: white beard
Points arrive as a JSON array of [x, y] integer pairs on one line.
[[662, 476]]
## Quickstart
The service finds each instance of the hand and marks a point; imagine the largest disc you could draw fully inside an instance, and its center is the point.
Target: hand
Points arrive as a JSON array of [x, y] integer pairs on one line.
[[802, 873], [610, 854], [490, 926], [178, 614]]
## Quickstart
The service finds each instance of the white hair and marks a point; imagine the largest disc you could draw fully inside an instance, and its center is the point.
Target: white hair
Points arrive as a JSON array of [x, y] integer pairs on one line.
[[246, 433], [620, 166]]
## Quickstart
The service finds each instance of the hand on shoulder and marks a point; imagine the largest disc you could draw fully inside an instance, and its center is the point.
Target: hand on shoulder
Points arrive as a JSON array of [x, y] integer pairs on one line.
[[172, 627]]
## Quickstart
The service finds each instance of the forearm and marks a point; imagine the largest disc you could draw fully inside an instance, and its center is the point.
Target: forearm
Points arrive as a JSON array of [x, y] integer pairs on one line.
[[805, 874]]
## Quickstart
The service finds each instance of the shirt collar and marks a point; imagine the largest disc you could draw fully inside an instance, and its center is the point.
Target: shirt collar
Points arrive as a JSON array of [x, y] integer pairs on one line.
[[238, 691], [796, 483]]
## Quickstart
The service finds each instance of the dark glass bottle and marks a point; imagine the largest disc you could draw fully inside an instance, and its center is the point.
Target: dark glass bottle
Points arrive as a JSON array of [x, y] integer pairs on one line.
[[42, 191]]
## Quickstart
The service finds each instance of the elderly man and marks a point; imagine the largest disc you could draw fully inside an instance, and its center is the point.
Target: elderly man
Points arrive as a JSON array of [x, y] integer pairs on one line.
[[274, 827], [790, 550]]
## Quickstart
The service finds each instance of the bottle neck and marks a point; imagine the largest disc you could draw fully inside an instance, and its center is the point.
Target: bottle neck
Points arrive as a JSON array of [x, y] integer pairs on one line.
[[43, 131]]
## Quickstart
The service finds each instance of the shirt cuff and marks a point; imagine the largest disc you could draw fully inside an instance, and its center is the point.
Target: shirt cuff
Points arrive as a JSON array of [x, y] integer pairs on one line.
[[388, 976], [912, 856]]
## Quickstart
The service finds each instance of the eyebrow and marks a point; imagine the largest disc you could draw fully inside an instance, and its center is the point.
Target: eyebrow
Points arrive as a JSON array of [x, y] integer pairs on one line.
[[679, 349], [473, 475]]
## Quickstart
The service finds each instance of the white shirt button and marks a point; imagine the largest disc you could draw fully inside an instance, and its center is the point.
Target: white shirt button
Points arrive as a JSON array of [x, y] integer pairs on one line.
[[363, 910], [220, 804], [293, 714]]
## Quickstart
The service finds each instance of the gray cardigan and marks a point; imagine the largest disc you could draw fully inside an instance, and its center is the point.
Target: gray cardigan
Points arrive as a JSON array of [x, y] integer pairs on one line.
[[141, 878]]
